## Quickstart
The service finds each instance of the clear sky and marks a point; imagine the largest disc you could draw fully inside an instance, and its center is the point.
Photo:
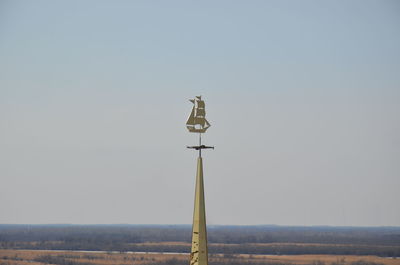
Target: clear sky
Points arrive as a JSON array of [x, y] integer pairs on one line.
[[303, 98]]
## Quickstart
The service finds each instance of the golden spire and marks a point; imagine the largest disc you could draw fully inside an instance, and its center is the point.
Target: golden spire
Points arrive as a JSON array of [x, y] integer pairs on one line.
[[197, 123], [199, 250]]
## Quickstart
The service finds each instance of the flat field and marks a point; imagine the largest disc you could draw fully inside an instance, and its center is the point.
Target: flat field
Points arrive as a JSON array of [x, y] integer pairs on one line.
[[42, 257]]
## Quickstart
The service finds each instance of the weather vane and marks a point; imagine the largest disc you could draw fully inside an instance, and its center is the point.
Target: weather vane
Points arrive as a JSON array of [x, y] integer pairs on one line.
[[197, 123]]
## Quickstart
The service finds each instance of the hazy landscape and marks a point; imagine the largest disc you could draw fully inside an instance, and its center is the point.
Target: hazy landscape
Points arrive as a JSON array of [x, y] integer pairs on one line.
[[170, 244]]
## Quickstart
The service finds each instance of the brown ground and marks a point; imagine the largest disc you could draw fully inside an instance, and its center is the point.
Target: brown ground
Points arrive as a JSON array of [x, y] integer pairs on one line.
[[25, 257], [308, 259]]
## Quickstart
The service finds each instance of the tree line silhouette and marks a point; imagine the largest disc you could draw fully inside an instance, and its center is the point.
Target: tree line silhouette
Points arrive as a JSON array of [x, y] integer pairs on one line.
[[277, 240]]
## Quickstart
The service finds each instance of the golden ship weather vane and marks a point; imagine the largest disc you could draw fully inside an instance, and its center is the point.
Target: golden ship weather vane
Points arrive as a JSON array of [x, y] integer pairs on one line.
[[197, 123]]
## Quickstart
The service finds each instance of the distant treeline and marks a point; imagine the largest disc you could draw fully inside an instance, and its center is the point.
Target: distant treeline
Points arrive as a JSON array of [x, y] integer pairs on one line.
[[381, 241], [62, 260], [216, 234]]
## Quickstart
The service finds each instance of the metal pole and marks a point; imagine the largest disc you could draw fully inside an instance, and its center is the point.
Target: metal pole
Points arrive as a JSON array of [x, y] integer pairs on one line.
[[200, 144]]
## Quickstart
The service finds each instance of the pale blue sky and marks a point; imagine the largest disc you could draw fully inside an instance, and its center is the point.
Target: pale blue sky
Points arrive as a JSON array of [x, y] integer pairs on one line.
[[303, 98]]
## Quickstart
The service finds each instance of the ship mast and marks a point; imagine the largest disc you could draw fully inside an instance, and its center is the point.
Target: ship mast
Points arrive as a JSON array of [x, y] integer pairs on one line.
[[197, 123]]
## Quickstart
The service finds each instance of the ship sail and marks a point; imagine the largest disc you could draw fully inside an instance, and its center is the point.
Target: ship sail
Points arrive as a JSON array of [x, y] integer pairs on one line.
[[197, 120], [191, 119], [200, 112], [201, 104], [200, 121]]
